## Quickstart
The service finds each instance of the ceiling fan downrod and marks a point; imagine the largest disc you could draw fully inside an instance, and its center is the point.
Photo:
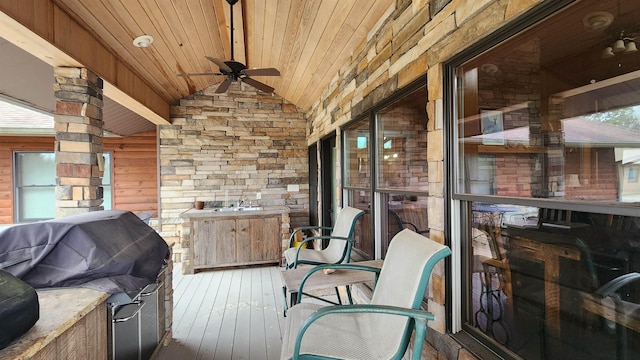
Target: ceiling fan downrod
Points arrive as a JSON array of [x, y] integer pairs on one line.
[[231, 3]]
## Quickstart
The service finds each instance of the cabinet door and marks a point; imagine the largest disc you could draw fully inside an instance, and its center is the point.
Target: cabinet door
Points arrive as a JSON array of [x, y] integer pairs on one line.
[[263, 237], [258, 239], [244, 240], [214, 242]]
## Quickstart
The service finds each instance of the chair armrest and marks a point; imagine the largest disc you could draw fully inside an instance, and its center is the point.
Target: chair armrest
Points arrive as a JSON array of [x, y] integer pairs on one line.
[[612, 286], [301, 228], [415, 228], [338, 266], [328, 237], [420, 316]]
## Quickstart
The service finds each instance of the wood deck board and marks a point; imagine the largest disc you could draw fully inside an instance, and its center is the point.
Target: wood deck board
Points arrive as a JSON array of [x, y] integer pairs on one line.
[[227, 314]]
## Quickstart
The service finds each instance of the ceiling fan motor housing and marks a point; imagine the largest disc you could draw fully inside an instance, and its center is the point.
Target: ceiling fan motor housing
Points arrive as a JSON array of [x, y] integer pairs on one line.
[[236, 69]]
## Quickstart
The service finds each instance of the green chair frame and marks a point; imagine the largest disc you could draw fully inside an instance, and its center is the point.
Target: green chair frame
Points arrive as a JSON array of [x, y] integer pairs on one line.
[[340, 242], [381, 329]]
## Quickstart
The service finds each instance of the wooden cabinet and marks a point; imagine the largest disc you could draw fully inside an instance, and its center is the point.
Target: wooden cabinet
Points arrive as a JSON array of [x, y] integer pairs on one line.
[[245, 240]]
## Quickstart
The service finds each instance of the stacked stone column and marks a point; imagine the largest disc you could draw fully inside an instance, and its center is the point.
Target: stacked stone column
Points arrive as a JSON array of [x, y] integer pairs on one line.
[[78, 146]]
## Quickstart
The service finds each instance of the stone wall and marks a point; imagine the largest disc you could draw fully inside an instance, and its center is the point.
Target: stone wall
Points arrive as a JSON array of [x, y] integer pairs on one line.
[[78, 145], [412, 41], [224, 147]]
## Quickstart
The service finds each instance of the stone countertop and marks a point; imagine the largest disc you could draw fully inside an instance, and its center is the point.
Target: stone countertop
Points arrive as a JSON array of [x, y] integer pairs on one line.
[[216, 213], [60, 309]]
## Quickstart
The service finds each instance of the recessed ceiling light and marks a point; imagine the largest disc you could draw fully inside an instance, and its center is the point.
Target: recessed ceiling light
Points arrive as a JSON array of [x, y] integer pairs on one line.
[[143, 41], [489, 68], [597, 20]]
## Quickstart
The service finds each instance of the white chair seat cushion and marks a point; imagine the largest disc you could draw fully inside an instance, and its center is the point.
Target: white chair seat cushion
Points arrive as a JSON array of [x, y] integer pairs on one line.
[[307, 255], [336, 335]]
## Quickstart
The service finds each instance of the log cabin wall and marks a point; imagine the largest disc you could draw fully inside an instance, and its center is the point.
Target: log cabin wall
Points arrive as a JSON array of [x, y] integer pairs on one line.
[[134, 170]]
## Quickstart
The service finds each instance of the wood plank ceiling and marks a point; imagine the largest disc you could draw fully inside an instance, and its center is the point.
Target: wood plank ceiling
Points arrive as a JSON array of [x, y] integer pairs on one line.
[[308, 41]]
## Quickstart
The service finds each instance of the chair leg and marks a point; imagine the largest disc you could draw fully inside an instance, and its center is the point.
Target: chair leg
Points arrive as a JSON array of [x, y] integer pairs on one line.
[[348, 289], [338, 295], [286, 305]]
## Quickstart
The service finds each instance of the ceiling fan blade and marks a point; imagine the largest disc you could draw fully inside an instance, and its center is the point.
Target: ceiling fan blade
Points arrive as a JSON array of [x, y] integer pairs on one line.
[[223, 86], [258, 85], [220, 63], [261, 72], [200, 74]]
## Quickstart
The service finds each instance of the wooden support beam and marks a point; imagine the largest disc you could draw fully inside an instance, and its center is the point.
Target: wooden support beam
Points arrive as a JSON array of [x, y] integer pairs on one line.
[[41, 28]]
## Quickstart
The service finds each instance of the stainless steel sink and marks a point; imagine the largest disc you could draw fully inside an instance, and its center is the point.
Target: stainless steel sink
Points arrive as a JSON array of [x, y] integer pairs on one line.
[[225, 209], [242, 208]]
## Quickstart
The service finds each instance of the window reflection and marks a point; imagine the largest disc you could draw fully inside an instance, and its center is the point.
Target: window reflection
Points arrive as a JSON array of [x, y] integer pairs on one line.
[[401, 144], [393, 179], [356, 146], [404, 212], [543, 119], [364, 246], [545, 279], [586, 159]]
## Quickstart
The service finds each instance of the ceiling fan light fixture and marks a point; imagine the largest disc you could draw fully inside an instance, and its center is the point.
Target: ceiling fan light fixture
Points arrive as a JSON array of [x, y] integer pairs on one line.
[[143, 41], [619, 46], [631, 47], [608, 53]]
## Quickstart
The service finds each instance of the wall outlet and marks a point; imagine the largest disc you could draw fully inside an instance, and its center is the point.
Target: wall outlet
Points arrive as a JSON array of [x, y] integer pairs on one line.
[[258, 195], [293, 187]]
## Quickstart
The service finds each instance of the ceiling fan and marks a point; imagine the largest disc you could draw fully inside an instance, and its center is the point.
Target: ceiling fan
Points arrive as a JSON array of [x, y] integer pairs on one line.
[[235, 71]]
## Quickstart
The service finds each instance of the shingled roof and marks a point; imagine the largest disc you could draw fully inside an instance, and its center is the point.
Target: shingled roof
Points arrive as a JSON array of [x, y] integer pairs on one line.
[[19, 120]]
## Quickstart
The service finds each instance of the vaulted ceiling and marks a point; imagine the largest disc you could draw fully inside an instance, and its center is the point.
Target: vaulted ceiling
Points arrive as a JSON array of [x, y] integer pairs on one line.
[[307, 41]]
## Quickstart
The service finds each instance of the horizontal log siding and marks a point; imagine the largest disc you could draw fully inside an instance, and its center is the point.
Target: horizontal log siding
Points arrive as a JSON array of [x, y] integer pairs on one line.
[[135, 184], [134, 177]]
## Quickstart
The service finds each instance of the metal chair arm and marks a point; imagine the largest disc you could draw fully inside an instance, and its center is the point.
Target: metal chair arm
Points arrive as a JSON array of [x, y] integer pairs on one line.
[[309, 227], [337, 266], [328, 237], [420, 316], [612, 286]]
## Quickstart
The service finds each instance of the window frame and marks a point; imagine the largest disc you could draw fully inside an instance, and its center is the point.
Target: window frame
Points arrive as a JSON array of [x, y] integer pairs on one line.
[[17, 206], [18, 187], [458, 205], [376, 193]]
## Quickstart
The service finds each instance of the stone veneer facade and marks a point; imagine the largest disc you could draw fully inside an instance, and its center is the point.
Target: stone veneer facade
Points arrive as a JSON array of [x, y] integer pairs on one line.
[[78, 146], [413, 40], [230, 146]]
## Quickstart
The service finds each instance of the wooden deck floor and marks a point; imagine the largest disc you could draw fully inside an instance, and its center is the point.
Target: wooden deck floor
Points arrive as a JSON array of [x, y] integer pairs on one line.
[[229, 314], [226, 314]]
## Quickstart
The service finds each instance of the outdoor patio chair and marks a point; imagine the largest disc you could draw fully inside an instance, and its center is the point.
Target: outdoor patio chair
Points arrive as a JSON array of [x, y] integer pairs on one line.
[[381, 329], [340, 242], [609, 302]]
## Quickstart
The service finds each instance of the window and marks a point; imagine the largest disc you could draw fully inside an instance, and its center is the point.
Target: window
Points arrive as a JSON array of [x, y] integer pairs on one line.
[[357, 182], [392, 187], [35, 179], [106, 182], [633, 175], [549, 209], [35, 194], [402, 181]]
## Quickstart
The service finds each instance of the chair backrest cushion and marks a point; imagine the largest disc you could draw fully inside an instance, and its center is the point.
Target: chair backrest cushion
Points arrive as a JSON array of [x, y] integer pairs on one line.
[[403, 281], [344, 227], [406, 269]]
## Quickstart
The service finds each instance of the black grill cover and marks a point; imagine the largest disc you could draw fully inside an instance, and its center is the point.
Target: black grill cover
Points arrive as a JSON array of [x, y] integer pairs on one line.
[[19, 308], [111, 251]]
